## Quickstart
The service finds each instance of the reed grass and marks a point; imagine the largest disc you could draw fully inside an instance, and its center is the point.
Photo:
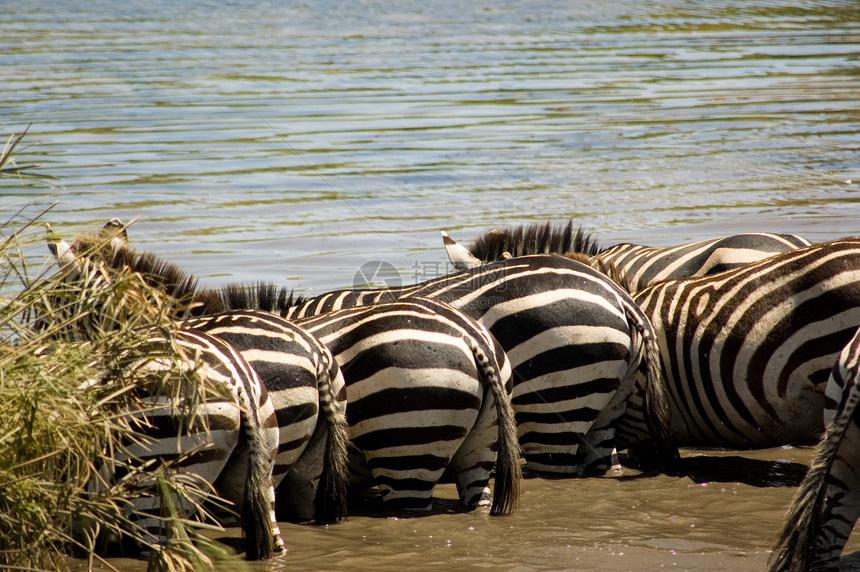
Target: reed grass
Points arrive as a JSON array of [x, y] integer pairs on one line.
[[9, 167], [67, 344]]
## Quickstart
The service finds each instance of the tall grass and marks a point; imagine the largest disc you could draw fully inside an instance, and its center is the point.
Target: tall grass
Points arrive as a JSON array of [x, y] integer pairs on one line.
[[67, 344], [9, 167]]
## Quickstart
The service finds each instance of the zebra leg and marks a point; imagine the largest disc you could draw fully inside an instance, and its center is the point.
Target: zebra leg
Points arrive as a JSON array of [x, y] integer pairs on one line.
[[474, 460], [552, 424], [315, 487], [407, 451], [599, 442], [298, 489]]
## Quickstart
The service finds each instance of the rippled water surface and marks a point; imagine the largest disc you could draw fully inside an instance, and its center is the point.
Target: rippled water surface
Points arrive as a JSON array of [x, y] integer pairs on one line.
[[294, 141]]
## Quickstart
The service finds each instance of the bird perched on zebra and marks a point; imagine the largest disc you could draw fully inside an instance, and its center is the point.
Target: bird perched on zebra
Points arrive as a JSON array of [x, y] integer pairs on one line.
[[636, 265], [827, 504], [302, 379]]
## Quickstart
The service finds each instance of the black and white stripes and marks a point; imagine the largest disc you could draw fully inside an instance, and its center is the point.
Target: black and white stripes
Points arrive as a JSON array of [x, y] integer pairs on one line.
[[746, 353], [827, 505], [575, 339], [427, 390], [307, 391]]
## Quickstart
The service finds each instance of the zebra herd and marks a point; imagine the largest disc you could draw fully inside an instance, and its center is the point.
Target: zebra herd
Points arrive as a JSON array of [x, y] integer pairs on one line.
[[543, 346]]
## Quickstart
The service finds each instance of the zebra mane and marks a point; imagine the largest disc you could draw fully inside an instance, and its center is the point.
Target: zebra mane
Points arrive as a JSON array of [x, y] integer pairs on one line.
[[264, 296], [156, 272], [535, 238]]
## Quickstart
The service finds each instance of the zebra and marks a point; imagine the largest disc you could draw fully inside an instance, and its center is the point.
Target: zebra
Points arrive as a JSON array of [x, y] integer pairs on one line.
[[297, 370], [827, 504], [575, 339], [301, 376], [233, 450], [638, 266], [427, 390], [227, 437], [747, 352], [470, 421]]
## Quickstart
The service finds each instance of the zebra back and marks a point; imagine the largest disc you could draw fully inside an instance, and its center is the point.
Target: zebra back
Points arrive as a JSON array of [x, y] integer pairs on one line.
[[642, 266], [639, 266], [824, 510]]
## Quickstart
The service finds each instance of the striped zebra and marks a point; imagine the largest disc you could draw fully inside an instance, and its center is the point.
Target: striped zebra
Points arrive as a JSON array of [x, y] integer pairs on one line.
[[300, 374], [429, 351], [216, 423], [297, 370], [638, 266], [575, 339], [232, 449], [427, 390], [827, 505], [747, 353]]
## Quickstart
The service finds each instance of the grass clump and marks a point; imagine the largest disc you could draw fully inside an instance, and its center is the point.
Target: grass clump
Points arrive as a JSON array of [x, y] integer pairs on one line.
[[69, 388]]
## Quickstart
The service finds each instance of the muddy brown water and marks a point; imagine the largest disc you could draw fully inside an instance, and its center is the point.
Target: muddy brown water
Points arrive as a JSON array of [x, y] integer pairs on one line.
[[722, 515], [298, 141]]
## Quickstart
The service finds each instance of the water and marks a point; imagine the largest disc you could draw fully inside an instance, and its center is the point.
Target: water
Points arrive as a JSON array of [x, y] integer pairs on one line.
[[295, 141]]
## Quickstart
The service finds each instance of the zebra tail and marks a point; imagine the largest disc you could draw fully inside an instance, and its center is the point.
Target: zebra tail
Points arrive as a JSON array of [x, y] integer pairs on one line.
[[794, 550], [508, 473], [658, 415], [330, 500], [257, 508]]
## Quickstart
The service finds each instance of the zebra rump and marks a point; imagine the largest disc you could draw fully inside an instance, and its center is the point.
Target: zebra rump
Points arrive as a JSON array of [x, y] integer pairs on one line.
[[296, 370], [427, 390], [827, 504]]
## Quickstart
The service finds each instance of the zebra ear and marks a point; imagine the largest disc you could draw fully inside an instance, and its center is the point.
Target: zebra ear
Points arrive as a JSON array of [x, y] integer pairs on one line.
[[459, 255], [62, 251]]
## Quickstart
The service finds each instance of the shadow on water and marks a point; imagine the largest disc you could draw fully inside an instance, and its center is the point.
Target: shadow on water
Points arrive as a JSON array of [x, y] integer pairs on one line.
[[704, 468]]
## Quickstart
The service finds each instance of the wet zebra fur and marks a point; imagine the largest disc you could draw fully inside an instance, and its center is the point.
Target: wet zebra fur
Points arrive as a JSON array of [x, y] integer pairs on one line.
[[827, 504], [575, 339], [300, 372], [638, 266], [427, 390]]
